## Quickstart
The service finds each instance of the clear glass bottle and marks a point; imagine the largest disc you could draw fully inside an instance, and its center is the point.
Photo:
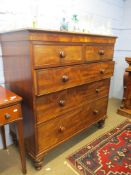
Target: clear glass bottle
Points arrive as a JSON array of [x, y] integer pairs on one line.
[[34, 22], [64, 25]]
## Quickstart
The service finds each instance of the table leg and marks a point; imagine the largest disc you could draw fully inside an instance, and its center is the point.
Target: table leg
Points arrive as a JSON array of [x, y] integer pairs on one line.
[[2, 128], [21, 144]]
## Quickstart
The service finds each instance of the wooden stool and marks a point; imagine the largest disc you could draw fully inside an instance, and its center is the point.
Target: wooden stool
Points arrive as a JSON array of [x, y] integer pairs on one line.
[[10, 111]]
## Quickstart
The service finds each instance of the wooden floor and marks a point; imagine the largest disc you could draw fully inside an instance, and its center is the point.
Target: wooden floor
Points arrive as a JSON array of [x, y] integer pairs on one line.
[[55, 163]]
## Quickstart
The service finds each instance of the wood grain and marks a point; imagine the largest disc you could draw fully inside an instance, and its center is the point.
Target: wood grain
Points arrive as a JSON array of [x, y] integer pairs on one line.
[[56, 74], [53, 132], [8, 98], [51, 80], [56, 54], [10, 112], [99, 52], [50, 106], [13, 111], [125, 108], [18, 78]]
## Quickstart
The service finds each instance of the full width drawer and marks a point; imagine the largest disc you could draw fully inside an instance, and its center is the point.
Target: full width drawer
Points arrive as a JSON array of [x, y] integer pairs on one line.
[[57, 130], [99, 52], [53, 55], [55, 104], [56, 79], [9, 114]]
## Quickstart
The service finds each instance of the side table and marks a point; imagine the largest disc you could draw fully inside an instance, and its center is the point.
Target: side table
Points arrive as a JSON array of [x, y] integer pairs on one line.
[[10, 112]]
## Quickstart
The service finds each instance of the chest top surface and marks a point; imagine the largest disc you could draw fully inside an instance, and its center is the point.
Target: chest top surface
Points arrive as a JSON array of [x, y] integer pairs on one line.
[[56, 36]]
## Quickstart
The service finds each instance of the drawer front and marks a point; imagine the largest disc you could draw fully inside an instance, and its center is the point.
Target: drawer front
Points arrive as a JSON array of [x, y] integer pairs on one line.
[[9, 114], [57, 130], [52, 105], [53, 80], [52, 55], [94, 53]]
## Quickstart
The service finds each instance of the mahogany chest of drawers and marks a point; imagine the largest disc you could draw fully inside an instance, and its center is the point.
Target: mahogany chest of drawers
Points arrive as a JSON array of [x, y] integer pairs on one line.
[[64, 79]]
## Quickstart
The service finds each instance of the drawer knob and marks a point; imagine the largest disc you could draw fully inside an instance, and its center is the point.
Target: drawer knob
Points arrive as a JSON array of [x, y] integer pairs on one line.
[[61, 128], [62, 54], [97, 90], [101, 52], [102, 71], [7, 116], [96, 112], [62, 102], [65, 78]]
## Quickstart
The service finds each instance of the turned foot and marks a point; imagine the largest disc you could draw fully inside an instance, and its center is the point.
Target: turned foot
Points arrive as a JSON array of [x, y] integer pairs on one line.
[[101, 123], [38, 164]]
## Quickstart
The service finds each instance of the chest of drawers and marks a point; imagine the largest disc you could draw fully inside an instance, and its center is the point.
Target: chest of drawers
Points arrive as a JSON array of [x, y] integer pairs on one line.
[[64, 80]]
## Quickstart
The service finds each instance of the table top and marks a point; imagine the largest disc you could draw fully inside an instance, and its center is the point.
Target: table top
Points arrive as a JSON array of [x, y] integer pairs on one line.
[[7, 97]]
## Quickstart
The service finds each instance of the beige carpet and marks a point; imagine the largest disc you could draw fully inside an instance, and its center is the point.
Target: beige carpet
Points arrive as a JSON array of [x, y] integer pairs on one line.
[[54, 163]]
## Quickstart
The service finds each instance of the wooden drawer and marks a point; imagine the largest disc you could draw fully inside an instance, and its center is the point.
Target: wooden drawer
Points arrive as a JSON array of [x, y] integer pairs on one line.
[[56, 79], [9, 114], [54, 55], [57, 130], [52, 105], [99, 52]]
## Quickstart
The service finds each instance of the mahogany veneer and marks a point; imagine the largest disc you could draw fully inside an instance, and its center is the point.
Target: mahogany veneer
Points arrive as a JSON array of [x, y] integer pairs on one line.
[[10, 112], [125, 108], [64, 80]]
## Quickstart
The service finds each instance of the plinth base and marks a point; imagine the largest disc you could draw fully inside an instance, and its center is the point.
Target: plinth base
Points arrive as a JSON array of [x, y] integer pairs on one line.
[[124, 112]]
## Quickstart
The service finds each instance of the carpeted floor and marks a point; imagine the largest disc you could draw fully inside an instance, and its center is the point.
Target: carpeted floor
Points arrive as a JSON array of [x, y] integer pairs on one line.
[[54, 163]]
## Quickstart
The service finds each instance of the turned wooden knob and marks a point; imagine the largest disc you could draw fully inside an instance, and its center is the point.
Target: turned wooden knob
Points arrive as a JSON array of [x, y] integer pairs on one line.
[[7, 116], [97, 90], [95, 112], [101, 52], [65, 78], [102, 71], [61, 128], [62, 103], [62, 54]]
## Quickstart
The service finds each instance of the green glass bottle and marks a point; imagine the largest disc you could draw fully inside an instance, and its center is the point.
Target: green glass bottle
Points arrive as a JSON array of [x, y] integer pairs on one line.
[[75, 22]]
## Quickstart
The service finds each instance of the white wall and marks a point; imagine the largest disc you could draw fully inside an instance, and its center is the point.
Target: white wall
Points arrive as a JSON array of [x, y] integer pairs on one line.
[[99, 13], [19, 13], [123, 50]]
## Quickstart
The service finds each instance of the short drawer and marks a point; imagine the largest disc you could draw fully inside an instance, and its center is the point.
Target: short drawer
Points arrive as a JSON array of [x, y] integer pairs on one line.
[[56, 79], [57, 130], [99, 52], [55, 55], [55, 104], [9, 114]]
